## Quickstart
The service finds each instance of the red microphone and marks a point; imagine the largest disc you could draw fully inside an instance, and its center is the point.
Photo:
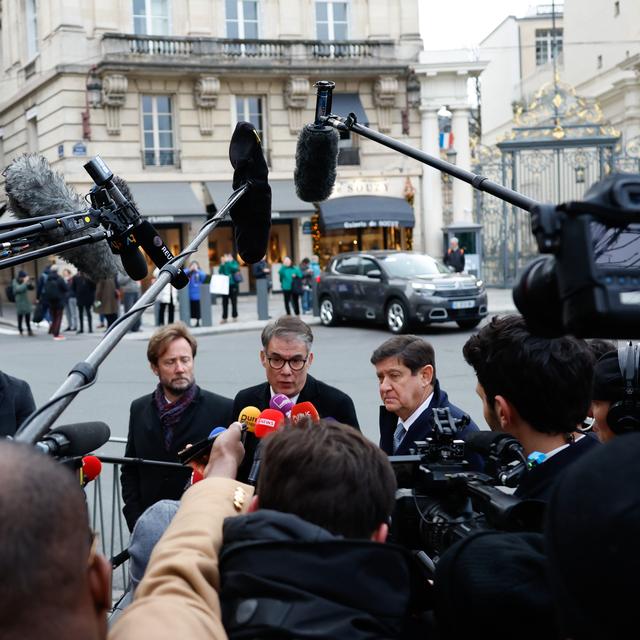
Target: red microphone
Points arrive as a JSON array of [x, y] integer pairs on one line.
[[90, 470], [304, 411], [269, 421]]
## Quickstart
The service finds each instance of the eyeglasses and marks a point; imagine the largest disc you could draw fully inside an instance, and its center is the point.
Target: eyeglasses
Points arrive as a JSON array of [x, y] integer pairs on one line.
[[295, 364]]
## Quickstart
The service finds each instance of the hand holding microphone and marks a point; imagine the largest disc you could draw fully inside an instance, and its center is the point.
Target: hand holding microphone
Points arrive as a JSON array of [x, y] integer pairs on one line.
[[226, 453]]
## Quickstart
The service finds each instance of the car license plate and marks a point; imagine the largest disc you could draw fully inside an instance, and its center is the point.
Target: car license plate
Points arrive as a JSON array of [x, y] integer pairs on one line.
[[463, 304]]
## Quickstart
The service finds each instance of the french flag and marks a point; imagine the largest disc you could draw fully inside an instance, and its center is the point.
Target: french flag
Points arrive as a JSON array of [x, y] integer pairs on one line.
[[446, 140]]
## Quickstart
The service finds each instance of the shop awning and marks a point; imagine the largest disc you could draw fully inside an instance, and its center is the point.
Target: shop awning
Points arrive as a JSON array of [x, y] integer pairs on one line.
[[359, 212], [346, 103], [284, 201], [168, 200]]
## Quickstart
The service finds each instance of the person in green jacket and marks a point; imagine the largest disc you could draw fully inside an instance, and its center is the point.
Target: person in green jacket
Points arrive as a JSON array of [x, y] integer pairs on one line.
[[229, 267], [291, 282], [21, 287]]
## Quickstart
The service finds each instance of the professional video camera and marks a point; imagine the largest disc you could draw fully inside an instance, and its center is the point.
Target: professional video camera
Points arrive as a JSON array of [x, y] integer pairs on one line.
[[439, 500]]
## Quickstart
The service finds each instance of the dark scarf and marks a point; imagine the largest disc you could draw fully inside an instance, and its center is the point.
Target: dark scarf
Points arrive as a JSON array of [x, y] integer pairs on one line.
[[170, 413]]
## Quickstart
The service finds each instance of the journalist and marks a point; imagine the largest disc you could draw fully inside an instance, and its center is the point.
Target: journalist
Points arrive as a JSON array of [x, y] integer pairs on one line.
[[536, 389], [409, 389], [162, 423]]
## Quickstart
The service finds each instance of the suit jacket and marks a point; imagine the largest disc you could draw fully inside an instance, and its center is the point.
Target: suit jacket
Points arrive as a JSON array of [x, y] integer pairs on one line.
[[16, 403], [178, 596], [537, 483], [144, 485], [423, 426], [329, 402]]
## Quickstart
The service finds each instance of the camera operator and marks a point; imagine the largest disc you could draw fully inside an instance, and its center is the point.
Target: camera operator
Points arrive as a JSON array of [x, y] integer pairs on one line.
[[616, 393], [307, 561], [409, 389], [537, 390]]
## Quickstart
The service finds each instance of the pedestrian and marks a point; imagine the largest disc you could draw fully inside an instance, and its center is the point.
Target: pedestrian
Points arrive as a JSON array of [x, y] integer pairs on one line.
[[21, 287], [108, 299], [85, 290], [307, 277], [196, 278], [262, 270], [291, 283], [40, 298], [55, 293], [229, 267], [166, 300], [71, 303], [129, 294], [454, 258]]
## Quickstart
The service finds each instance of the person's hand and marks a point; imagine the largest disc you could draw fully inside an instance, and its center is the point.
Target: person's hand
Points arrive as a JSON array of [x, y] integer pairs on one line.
[[226, 454]]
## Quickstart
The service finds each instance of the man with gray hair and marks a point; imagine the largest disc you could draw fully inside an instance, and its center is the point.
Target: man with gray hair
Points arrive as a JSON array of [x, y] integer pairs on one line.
[[454, 257], [286, 357]]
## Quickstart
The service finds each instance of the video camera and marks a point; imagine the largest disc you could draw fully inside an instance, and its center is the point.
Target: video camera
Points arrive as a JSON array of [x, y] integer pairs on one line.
[[439, 500], [590, 285]]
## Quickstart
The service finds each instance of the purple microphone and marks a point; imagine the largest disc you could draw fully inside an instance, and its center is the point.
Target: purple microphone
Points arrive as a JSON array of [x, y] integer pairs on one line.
[[280, 402]]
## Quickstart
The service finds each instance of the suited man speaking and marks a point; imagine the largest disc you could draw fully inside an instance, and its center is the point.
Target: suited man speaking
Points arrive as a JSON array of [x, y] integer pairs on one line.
[[409, 389], [177, 413], [286, 357]]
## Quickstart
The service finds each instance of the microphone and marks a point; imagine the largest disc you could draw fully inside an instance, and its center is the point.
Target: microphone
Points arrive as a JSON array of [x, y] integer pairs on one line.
[[251, 215], [75, 439], [248, 416], [268, 422], [90, 470], [282, 403], [317, 151], [34, 189], [125, 221], [304, 411]]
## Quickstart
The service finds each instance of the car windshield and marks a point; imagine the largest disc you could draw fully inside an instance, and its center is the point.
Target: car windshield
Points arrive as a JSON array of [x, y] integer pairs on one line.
[[411, 265]]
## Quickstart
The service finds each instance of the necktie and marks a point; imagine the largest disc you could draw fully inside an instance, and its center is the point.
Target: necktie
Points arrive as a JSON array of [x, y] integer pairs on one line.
[[398, 436]]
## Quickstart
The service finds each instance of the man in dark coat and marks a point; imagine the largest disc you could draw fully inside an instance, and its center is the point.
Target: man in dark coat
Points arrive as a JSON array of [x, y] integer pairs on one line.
[[409, 389], [177, 413], [454, 257], [286, 357], [537, 390], [16, 403]]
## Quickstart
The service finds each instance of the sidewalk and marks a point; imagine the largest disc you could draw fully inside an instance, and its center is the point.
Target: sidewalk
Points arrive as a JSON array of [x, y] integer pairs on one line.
[[500, 301]]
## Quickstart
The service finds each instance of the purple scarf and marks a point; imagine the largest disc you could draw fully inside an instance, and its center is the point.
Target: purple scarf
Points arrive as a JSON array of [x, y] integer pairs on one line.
[[170, 413]]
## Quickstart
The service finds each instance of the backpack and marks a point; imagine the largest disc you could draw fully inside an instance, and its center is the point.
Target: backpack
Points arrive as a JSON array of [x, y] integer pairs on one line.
[[52, 291], [10, 293]]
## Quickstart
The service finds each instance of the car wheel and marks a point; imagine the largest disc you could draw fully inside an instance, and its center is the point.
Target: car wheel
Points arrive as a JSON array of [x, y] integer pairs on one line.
[[468, 324], [328, 313], [397, 316]]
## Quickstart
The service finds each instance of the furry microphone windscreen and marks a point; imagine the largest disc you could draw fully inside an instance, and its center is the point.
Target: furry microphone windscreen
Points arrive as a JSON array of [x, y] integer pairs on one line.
[[35, 189], [316, 163]]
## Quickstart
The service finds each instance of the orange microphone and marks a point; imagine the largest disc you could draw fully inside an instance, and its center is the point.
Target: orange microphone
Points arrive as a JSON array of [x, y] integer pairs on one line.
[[304, 411]]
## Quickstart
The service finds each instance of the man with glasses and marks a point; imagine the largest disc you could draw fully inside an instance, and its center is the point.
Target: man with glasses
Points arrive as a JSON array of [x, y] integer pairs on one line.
[[286, 357]]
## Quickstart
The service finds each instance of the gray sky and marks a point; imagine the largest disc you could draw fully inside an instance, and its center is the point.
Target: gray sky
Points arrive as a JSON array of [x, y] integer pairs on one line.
[[453, 24]]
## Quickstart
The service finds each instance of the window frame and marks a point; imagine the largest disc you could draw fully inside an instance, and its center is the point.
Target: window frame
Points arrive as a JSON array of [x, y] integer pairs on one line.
[[262, 132], [148, 16], [31, 29], [240, 20], [545, 40], [331, 22], [157, 149]]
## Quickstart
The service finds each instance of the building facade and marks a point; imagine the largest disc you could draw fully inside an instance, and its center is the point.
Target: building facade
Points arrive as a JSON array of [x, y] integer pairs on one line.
[[155, 88]]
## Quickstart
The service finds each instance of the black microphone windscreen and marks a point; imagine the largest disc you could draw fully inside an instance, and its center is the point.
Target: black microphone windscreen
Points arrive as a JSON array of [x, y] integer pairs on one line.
[[251, 215], [35, 189], [84, 437], [316, 163], [481, 441], [133, 262]]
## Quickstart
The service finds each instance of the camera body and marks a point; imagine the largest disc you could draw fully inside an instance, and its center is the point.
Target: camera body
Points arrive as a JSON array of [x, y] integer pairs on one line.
[[590, 284]]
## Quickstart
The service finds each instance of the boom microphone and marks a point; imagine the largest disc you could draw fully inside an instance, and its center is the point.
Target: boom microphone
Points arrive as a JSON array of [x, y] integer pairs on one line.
[[251, 215], [75, 439], [317, 152], [304, 411], [34, 189]]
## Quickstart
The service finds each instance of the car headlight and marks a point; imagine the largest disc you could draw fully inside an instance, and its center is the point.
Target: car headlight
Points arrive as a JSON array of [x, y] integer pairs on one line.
[[479, 284], [425, 288]]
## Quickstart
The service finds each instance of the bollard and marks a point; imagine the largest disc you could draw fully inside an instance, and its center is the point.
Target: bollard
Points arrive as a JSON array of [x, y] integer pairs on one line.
[[262, 290]]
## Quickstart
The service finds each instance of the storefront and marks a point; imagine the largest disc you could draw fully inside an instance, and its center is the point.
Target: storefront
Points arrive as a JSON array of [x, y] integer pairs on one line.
[[364, 223]]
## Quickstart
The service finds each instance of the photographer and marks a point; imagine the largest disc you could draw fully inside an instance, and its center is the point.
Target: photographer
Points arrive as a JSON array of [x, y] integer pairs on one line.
[[537, 390]]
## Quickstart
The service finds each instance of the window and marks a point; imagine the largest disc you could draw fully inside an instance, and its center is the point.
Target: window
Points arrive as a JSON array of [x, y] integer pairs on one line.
[[242, 19], [31, 21], [32, 130], [251, 109], [368, 265], [548, 45], [348, 266], [331, 20], [348, 151], [151, 17], [157, 124]]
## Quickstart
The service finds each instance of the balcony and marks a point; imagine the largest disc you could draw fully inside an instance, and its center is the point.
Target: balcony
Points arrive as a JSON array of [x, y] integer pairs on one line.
[[219, 54]]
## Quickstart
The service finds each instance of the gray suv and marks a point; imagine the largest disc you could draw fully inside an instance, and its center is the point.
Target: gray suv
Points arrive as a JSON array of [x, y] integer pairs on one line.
[[398, 288]]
